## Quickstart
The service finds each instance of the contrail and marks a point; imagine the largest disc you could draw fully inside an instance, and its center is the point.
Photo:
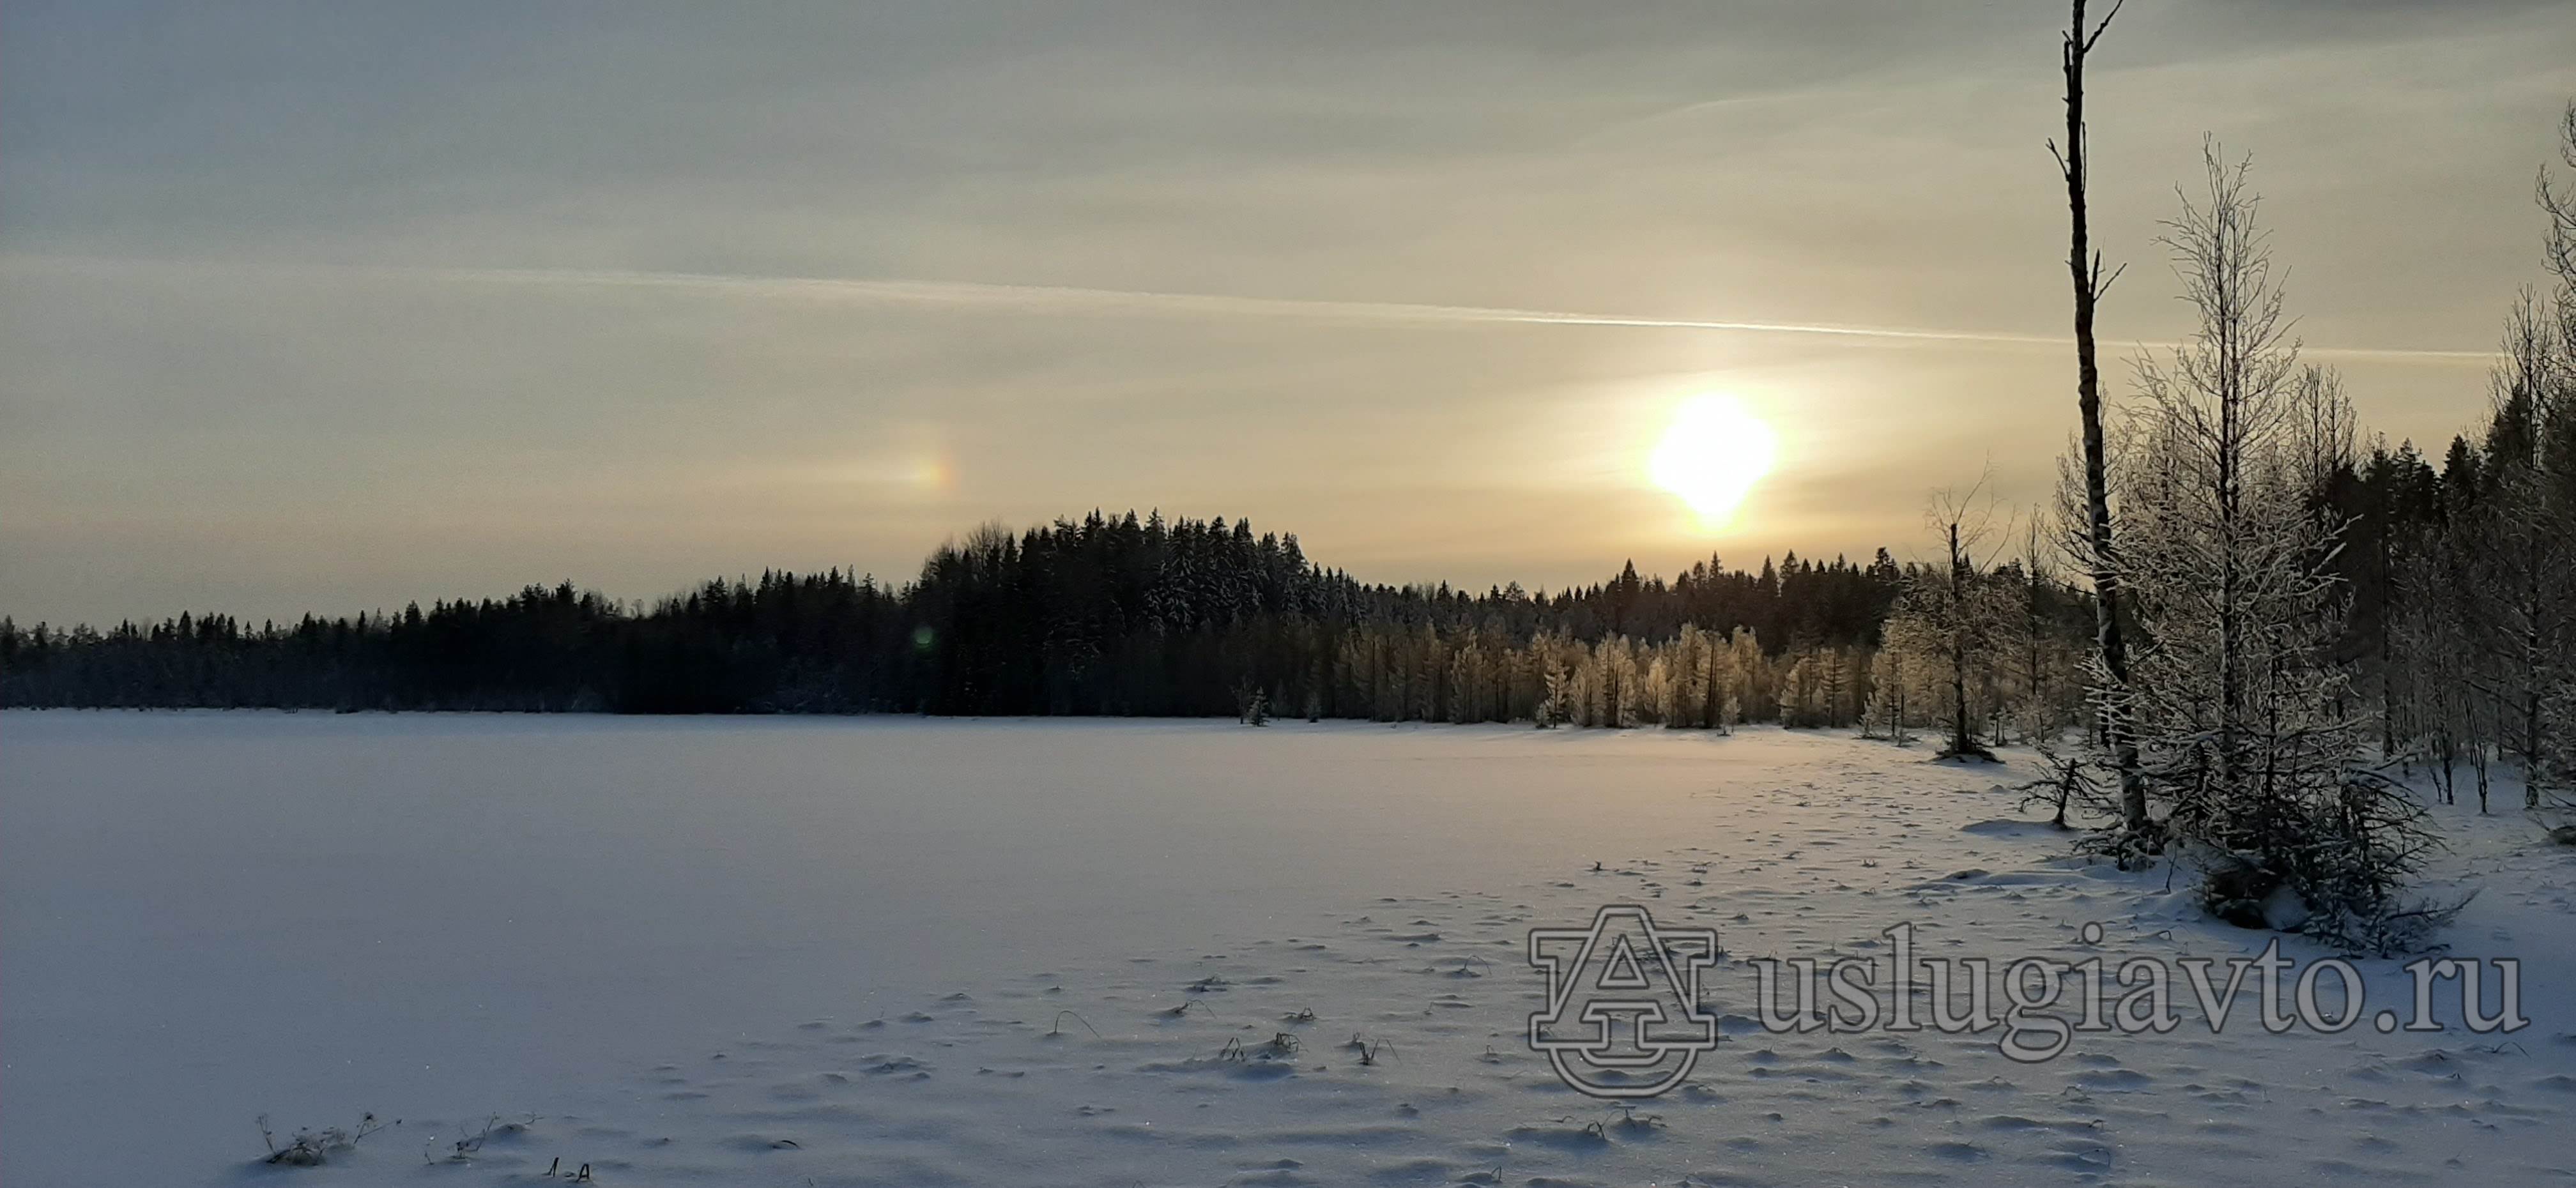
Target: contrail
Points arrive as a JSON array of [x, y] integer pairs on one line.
[[1114, 300], [1064, 296], [1037, 298]]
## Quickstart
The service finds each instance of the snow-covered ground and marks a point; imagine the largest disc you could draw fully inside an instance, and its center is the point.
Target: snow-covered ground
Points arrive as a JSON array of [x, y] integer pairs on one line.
[[839, 952]]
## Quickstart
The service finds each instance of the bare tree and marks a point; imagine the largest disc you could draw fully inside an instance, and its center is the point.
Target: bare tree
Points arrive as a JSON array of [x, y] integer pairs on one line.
[[1890, 684], [1955, 615], [1970, 617], [2554, 456], [2517, 600], [2446, 713], [2043, 706], [2084, 267], [2560, 205]]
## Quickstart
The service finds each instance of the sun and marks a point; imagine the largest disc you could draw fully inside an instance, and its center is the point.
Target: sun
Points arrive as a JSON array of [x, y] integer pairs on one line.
[[1711, 456]]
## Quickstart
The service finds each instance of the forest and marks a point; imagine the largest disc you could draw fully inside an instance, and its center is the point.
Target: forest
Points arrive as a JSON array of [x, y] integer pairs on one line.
[[1108, 615]]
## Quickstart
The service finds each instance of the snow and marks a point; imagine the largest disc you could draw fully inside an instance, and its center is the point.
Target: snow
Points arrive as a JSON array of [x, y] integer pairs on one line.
[[781, 951]]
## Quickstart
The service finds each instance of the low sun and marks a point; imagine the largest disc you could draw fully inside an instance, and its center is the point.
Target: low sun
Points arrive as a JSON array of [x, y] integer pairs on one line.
[[1712, 455]]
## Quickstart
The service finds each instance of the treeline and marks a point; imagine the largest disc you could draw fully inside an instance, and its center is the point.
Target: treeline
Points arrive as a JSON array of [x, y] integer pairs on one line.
[[1109, 615], [2432, 593]]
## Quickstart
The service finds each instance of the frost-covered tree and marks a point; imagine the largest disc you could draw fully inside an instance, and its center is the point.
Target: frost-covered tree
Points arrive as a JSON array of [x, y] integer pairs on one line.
[[2046, 694], [1685, 675], [2520, 602], [1954, 623], [1885, 714], [1726, 680], [1623, 681], [2242, 713], [1752, 694], [1834, 687], [2445, 718], [2548, 742]]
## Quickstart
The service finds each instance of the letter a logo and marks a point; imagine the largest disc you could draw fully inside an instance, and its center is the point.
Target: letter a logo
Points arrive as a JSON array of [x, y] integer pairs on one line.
[[1623, 1016]]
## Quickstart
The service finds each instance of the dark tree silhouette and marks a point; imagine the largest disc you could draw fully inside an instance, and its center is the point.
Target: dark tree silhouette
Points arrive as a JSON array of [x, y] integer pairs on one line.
[[1110, 615], [2084, 266]]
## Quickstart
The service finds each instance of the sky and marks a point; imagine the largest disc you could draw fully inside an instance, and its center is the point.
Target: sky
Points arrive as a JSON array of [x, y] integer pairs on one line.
[[334, 306]]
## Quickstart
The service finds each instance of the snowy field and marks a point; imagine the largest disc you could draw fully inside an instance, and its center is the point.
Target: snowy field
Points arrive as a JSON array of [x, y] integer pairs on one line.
[[776, 952]]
